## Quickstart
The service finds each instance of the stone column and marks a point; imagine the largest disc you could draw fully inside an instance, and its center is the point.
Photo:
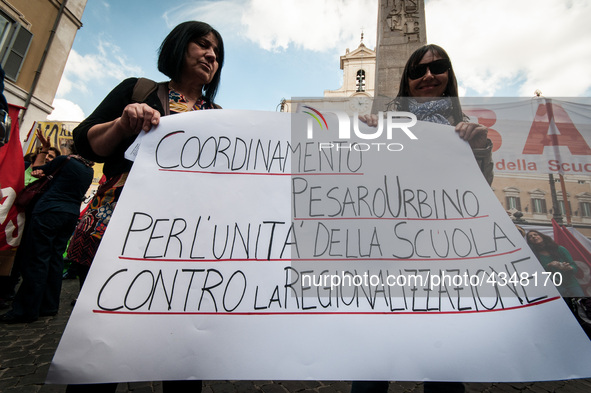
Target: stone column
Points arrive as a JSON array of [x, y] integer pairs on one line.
[[401, 30]]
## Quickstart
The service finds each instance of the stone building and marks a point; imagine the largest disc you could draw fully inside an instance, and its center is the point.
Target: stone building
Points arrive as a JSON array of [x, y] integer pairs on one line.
[[358, 89], [358, 68], [36, 37], [401, 30], [527, 198], [371, 77]]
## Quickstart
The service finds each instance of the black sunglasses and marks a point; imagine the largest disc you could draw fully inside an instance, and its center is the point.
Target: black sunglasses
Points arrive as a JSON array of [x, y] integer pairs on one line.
[[436, 67]]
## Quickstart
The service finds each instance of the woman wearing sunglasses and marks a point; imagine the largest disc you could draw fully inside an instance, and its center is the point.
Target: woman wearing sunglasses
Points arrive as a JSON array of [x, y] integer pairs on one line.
[[429, 89]]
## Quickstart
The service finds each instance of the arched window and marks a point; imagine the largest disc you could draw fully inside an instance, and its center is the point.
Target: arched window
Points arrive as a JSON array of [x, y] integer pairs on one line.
[[512, 200], [360, 81], [538, 201], [584, 204]]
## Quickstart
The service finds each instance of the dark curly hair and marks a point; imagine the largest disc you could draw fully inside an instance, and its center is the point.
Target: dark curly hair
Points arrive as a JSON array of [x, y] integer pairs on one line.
[[548, 244]]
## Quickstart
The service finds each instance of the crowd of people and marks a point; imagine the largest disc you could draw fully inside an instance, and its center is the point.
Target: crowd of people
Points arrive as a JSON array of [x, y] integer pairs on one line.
[[192, 56], [49, 223]]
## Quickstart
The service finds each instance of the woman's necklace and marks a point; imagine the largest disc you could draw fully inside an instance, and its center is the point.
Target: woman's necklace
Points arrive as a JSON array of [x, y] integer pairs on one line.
[[191, 99]]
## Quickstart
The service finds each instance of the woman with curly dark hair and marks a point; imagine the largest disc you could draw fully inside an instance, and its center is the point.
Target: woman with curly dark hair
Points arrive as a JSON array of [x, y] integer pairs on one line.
[[557, 259]]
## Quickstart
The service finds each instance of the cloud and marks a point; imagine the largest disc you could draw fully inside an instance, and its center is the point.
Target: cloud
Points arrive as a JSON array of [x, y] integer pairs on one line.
[[106, 65], [310, 24], [65, 110], [527, 44], [496, 46], [221, 15], [275, 25]]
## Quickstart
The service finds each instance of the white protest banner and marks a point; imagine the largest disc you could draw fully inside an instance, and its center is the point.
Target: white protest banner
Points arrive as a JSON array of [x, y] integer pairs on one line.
[[239, 250], [536, 135]]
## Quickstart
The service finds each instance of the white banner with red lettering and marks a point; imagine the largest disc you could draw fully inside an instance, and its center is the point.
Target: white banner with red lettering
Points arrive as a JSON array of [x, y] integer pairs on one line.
[[243, 249], [536, 135]]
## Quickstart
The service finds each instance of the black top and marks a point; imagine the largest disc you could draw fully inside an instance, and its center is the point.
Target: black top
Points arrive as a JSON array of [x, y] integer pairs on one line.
[[67, 189], [110, 109]]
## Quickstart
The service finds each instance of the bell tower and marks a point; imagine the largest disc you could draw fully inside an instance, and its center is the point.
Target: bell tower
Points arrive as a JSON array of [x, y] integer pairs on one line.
[[358, 73], [401, 30]]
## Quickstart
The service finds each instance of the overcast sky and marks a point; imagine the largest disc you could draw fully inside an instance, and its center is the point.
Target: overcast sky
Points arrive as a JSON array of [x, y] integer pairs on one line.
[[286, 48]]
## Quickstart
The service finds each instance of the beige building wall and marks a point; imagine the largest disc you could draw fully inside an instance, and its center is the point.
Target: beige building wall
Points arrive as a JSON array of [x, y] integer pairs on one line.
[[532, 196], [356, 93], [358, 73], [48, 61]]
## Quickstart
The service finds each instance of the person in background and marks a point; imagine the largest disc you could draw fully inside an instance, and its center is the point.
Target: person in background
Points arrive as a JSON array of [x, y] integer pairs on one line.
[[192, 56], [49, 227], [52, 153], [429, 89], [556, 259], [29, 159], [45, 154]]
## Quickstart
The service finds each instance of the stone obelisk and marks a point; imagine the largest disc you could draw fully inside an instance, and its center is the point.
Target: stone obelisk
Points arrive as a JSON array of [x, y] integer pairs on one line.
[[401, 30]]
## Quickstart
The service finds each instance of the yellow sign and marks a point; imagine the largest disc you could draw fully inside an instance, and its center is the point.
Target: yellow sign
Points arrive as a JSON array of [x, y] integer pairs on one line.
[[59, 134]]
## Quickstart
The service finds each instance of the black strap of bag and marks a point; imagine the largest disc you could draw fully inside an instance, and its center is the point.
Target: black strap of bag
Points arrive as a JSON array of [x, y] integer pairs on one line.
[[144, 87]]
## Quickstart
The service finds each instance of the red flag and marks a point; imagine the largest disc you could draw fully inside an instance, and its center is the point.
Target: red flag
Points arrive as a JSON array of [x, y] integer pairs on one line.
[[564, 238], [12, 180], [559, 236], [580, 252]]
